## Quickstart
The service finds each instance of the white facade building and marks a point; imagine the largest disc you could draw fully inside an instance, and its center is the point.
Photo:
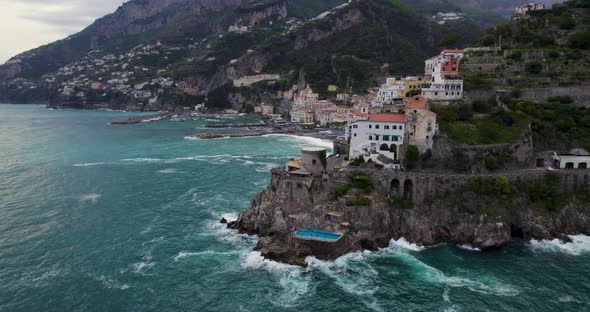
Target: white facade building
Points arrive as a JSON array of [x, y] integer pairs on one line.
[[379, 130], [442, 73]]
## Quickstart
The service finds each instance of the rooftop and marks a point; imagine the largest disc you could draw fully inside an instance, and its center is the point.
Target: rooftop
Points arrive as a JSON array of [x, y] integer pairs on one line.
[[387, 118], [417, 102]]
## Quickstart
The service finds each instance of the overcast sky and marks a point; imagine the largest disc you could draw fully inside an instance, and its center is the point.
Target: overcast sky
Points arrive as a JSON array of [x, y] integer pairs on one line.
[[27, 24]]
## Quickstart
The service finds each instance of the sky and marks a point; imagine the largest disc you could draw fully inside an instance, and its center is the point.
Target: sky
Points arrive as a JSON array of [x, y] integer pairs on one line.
[[27, 24]]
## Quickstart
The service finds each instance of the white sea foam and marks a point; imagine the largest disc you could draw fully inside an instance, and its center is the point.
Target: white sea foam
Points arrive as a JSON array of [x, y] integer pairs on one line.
[[93, 198], [111, 283], [351, 272], [404, 244], [91, 164], [305, 140], [468, 247], [185, 254], [148, 160], [580, 244], [255, 261], [167, 171], [487, 284]]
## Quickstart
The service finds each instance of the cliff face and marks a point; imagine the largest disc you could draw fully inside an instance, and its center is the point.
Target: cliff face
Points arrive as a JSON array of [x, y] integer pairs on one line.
[[132, 18], [290, 204]]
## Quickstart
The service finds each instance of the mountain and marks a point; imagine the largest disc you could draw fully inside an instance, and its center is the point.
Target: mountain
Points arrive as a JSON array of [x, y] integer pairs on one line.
[[153, 54]]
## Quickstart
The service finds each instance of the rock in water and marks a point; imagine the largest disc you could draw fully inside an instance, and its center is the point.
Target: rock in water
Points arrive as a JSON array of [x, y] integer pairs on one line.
[[223, 221]]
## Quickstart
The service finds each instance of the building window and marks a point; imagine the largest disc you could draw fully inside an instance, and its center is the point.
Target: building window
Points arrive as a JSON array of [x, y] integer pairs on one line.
[[376, 138], [355, 126], [446, 93], [401, 127], [376, 126], [370, 138], [355, 134], [394, 127], [370, 126], [313, 162], [385, 138], [386, 127]]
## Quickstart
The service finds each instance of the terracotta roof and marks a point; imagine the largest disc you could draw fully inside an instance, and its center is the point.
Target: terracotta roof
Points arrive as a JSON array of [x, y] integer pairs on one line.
[[452, 51], [417, 102], [387, 118], [358, 113]]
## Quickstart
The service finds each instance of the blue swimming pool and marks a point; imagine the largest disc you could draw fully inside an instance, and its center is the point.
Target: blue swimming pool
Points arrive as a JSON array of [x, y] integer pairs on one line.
[[317, 234]]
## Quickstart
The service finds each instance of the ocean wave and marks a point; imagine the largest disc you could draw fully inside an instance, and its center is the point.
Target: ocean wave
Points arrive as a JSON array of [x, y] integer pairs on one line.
[[92, 164], [404, 244], [93, 198], [351, 272], [305, 140], [580, 244], [485, 285], [142, 266], [148, 160], [185, 254], [468, 247], [110, 283], [167, 171], [255, 261]]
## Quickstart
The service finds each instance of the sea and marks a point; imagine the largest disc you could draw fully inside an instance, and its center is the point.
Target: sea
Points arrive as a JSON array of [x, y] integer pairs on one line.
[[96, 217]]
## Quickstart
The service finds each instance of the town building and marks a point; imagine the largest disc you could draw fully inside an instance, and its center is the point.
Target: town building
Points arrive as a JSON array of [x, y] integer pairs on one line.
[[303, 116], [442, 78], [421, 123], [524, 10], [392, 89], [266, 109], [312, 163], [378, 134]]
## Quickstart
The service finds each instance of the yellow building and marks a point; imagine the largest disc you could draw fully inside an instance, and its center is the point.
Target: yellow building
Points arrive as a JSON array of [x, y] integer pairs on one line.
[[412, 85]]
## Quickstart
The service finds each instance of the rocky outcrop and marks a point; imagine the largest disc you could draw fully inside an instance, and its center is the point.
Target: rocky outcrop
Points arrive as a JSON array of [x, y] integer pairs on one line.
[[326, 28], [290, 204], [254, 14]]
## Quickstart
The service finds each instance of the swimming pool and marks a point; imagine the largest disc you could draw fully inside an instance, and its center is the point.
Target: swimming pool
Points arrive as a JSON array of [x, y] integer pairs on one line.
[[317, 234]]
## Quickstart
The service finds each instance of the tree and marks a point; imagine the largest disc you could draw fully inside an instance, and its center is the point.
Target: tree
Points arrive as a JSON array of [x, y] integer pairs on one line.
[[412, 156]]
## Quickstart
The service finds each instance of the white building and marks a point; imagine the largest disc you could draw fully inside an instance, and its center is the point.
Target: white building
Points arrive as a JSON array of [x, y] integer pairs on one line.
[[576, 159], [391, 90], [380, 133], [442, 75], [525, 9]]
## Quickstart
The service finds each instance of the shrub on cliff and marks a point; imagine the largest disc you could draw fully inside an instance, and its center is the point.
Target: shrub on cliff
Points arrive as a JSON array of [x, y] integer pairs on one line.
[[491, 186], [412, 157]]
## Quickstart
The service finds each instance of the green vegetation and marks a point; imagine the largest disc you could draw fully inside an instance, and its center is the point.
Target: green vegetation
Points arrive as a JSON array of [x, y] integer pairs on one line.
[[544, 193], [357, 161], [360, 182], [498, 187], [359, 201], [556, 123], [412, 156], [497, 127]]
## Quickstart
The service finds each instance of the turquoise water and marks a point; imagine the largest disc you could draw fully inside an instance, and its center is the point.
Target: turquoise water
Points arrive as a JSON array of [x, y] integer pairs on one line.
[[104, 218], [318, 234]]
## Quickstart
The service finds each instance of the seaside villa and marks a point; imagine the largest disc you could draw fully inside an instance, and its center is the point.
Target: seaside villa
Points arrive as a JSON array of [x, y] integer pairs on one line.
[[380, 134]]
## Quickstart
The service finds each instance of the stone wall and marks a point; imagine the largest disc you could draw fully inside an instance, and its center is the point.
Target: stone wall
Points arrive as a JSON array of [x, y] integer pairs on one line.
[[580, 94], [466, 158]]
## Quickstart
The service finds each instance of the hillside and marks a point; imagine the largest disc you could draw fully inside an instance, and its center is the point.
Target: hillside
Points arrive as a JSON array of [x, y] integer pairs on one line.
[[152, 55], [532, 71]]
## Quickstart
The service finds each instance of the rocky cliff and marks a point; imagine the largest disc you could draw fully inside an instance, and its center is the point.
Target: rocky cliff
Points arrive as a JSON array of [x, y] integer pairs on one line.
[[454, 211]]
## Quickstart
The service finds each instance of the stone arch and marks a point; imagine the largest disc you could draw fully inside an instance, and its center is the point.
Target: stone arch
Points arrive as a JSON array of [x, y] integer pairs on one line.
[[395, 187], [408, 189], [583, 165], [569, 165]]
